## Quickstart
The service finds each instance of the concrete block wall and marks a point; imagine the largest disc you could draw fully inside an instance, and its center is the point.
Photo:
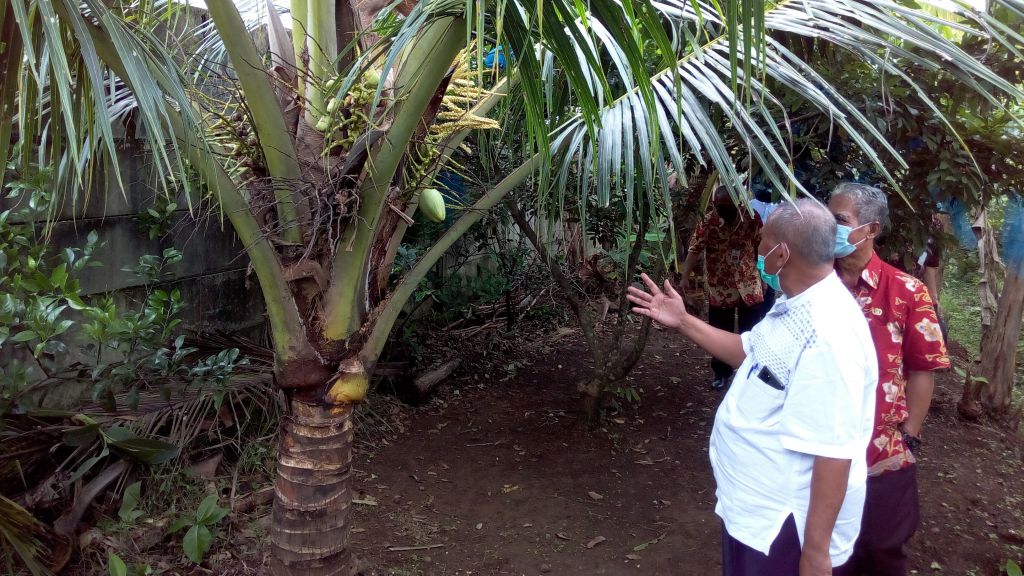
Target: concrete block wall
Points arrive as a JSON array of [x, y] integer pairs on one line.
[[213, 278]]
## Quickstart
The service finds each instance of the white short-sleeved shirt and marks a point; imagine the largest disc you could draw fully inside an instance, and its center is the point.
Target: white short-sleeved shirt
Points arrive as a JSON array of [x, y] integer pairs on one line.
[[805, 389], [763, 209]]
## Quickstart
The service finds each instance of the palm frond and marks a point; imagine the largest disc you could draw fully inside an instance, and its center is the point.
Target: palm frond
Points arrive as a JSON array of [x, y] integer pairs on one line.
[[70, 104], [19, 531], [894, 39]]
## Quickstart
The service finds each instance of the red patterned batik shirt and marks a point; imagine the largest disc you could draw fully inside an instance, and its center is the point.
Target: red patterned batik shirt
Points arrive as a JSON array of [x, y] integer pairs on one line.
[[907, 339], [730, 259]]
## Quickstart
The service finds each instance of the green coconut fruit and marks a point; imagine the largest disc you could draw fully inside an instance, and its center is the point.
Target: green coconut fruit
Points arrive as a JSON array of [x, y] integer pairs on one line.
[[432, 204], [372, 77], [333, 105]]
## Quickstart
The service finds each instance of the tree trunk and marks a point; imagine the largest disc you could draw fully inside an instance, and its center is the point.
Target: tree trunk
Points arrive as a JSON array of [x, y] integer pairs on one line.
[[310, 530], [590, 400], [999, 348]]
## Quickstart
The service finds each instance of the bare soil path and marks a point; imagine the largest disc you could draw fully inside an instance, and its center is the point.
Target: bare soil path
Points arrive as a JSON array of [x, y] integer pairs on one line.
[[494, 478]]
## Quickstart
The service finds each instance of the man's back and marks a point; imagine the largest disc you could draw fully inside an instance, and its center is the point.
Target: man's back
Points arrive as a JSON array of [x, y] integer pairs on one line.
[[805, 389], [730, 257]]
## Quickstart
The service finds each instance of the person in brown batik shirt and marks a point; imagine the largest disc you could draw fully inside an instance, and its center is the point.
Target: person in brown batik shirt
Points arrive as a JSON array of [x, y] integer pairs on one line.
[[727, 238]]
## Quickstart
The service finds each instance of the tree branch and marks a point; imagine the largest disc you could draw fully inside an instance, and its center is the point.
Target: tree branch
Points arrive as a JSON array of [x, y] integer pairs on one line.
[[482, 108], [428, 62], [383, 318], [289, 337], [267, 117], [580, 308]]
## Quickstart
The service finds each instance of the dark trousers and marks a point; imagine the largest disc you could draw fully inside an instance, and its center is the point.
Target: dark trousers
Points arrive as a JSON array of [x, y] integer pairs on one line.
[[725, 318], [891, 516], [783, 557]]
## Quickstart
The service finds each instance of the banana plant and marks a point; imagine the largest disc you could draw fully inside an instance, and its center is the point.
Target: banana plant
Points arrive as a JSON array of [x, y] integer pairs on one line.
[[316, 152]]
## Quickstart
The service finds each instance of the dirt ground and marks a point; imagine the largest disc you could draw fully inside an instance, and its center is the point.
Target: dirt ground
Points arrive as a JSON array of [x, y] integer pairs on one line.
[[494, 478]]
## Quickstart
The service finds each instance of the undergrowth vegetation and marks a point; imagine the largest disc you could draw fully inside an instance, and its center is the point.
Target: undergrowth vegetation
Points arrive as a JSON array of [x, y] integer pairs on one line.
[[96, 389]]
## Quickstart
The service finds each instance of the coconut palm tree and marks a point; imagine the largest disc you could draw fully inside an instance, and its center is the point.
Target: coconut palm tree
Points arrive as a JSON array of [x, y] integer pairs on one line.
[[319, 152]]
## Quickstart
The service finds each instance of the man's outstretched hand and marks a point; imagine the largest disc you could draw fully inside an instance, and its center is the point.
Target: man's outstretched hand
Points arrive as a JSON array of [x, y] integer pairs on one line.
[[664, 307]]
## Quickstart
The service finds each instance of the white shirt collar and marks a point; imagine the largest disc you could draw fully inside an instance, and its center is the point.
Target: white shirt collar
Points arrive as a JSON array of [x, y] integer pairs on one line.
[[784, 303]]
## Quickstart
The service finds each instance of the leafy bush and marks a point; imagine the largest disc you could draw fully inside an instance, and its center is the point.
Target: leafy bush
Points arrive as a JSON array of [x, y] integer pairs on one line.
[[41, 313], [201, 528], [127, 349]]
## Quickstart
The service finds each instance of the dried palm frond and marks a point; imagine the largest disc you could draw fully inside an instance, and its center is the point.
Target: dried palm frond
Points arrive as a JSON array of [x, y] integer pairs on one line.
[[20, 533]]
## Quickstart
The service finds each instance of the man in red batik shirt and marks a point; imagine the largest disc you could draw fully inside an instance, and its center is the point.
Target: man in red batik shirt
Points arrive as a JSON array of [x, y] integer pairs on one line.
[[728, 241], [909, 346]]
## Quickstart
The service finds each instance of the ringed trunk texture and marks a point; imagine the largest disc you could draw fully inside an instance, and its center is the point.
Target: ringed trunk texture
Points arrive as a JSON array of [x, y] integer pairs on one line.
[[312, 498]]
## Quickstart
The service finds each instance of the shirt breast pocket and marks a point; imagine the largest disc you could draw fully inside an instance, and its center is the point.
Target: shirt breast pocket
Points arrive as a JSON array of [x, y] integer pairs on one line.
[[761, 397]]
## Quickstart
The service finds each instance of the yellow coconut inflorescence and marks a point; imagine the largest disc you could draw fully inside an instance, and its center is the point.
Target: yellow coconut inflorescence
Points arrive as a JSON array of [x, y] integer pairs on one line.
[[432, 204], [345, 115], [351, 384]]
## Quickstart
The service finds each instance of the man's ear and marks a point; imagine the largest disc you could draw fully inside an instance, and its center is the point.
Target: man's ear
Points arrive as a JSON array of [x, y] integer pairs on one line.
[[784, 254], [874, 230]]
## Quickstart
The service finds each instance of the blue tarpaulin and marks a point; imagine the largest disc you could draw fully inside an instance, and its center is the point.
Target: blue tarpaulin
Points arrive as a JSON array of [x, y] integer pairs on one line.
[[1013, 235], [961, 225], [498, 53]]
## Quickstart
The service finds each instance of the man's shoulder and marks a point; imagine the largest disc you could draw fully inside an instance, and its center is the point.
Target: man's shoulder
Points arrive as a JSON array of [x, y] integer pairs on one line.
[[836, 314], [899, 281]]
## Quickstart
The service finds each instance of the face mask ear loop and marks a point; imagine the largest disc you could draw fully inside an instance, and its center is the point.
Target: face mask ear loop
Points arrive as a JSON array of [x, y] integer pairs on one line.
[[784, 263], [861, 241]]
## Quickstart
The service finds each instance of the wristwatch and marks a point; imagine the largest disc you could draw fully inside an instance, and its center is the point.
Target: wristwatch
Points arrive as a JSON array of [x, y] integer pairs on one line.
[[912, 442]]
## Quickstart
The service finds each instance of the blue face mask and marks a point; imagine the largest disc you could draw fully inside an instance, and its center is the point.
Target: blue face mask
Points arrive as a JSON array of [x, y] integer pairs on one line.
[[772, 280], [843, 247]]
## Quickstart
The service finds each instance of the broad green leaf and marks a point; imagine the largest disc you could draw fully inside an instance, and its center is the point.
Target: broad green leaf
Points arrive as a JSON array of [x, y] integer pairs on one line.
[[145, 450], [118, 433], [129, 503], [62, 327], [23, 336], [59, 276], [81, 435], [208, 512], [116, 566], [178, 524], [1013, 569], [75, 301], [197, 542]]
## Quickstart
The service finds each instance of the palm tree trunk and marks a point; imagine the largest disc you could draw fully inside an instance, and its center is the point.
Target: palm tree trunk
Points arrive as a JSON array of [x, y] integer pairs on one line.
[[310, 529]]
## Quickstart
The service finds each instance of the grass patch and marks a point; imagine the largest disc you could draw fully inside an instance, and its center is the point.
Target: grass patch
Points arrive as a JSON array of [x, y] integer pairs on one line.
[[962, 311], [959, 300]]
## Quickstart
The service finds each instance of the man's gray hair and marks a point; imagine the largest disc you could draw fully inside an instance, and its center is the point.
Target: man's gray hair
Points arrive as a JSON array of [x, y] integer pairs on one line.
[[807, 227], [871, 203]]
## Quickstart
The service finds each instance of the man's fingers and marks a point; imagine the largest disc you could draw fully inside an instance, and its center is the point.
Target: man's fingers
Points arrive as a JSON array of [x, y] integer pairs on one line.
[[651, 286], [642, 311], [670, 290], [639, 294], [638, 300]]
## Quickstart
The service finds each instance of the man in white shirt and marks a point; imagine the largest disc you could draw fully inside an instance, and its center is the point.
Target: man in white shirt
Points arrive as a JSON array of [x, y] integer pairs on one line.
[[788, 442], [763, 208]]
